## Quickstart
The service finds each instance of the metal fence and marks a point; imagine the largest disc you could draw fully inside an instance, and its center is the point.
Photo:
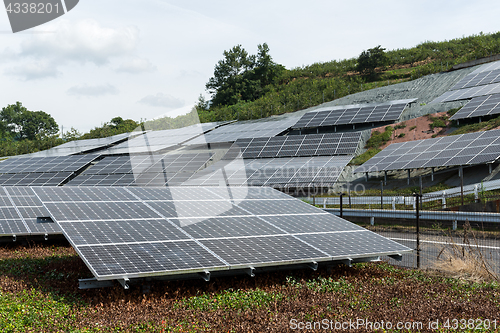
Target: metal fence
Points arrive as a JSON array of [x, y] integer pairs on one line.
[[437, 225]]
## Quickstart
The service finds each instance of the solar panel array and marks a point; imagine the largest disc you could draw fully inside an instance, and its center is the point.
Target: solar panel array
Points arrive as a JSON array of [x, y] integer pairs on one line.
[[478, 79], [479, 106], [353, 114], [80, 146], [155, 141], [19, 209], [292, 172], [46, 164], [142, 170], [41, 171], [465, 149], [248, 129], [296, 146], [467, 93], [492, 66], [126, 233]]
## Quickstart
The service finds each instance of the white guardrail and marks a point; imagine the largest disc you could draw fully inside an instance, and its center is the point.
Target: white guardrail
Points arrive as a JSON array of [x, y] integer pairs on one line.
[[409, 200]]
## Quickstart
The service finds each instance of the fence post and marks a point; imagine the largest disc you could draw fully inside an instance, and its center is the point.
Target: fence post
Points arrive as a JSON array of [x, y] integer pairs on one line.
[[341, 209], [393, 203], [324, 203], [476, 193], [417, 197]]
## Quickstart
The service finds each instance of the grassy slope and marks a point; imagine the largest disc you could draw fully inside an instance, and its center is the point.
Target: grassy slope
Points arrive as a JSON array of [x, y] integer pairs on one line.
[[311, 85], [38, 294]]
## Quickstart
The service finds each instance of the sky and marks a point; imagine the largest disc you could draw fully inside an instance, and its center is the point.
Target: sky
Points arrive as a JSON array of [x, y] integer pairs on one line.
[[151, 58]]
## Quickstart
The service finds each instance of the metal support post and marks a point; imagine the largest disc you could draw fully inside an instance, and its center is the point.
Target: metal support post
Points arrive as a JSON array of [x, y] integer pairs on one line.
[[420, 183], [408, 177], [432, 174], [385, 177]]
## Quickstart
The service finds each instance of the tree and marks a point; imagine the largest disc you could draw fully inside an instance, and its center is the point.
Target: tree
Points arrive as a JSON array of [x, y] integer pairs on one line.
[[242, 77], [370, 59], [19, 122], [72, 134]]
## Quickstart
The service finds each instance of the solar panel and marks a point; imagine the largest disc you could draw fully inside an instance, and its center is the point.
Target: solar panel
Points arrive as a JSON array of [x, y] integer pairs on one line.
[[353, 114], [478, 79], [261, 128], [467, 93], [19, 209], [142, 170], [155, 141], [296, 172], [34, 179], [465, 149], [80, 146], [266, 234], [46, 164], [296, 146], [488, 67], [479, 106]]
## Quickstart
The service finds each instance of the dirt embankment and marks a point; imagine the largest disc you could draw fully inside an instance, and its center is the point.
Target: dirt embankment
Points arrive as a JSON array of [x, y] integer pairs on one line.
[[414, 129]]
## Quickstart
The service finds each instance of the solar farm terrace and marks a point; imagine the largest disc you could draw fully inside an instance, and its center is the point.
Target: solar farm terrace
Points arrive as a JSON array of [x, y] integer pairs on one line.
[[457, 150], [353, 115], [132, 234], [482, 82]]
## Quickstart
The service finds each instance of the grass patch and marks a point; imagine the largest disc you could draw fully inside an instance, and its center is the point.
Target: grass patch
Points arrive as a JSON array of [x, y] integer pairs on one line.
[[322, 285], [483, 126], [378, 139], [360, 159], [438, 122], [231, 300], [452, 112]]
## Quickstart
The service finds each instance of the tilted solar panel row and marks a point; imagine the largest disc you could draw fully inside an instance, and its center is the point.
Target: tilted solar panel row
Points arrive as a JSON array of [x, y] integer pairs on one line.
[[296, 146], [478, 107], [465, 149], [295, 172], [46, 164], [127, 233], [250, 129], [478, 79], [352, 114]]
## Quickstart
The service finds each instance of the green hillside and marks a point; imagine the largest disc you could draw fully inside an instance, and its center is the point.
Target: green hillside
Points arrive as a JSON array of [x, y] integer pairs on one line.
[[303, 87]]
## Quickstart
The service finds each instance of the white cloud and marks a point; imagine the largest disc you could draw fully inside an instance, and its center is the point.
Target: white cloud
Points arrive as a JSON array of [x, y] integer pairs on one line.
[[81, 41], [136, 66], [34, 71], [92, 91], [162, 100]]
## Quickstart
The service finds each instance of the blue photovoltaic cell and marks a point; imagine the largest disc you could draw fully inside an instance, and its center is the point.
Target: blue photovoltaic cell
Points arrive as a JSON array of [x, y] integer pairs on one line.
[[353, 114], [138, 232], [465, 149]]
